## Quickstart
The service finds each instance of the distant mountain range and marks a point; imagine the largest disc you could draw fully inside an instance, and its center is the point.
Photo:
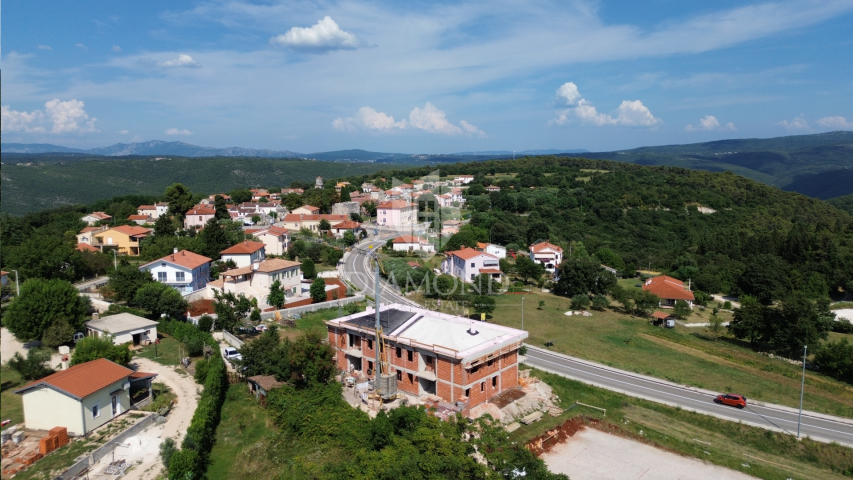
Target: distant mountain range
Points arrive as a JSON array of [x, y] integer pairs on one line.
[[153, 147]]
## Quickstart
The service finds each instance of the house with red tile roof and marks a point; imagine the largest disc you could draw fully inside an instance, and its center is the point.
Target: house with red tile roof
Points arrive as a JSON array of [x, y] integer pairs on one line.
[[254, 281], [338, 229], [85, 247], [245, 253], [669, 290], [412, 244], [81, 398], [396, 213], [467, 263], [85, 235], [183, 270], [306, 210], [297, 221], [148, 210], [275, 238], [198, 216], [141, 219], [124, 239], [95, 217], [548, 254]]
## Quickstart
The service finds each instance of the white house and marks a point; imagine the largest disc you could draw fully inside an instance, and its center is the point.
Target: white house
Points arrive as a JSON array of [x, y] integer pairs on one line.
[[85, 235], [411, 243], [254, 281], [162, 208], [244, 253], [96, 217], [492, 249], [463, 179], [339, 229], [81, 398], [148, 211], [547, 254], [275, 239], [306, 210], [183, 270], [124, 328], [467, 263]]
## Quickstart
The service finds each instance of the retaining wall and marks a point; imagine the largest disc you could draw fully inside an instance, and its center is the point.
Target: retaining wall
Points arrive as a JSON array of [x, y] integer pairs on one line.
[[107, 449]]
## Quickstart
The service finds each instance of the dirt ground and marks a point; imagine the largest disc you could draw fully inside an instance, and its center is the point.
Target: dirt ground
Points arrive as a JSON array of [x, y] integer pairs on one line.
[[143, 450], [9, 345], [594, 455]]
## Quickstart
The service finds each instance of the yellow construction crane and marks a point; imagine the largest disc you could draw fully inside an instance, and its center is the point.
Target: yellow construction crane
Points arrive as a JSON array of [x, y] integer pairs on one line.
[[385, 382]]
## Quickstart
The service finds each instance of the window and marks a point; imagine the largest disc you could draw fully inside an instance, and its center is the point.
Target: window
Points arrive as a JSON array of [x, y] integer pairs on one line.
[[494, 382], [399, 375], [399, 352], [96, 410], [410, 355], [161, 276], [482, 386], [411, 378], [472, 264], [467, 392], [475, 368], [179, 276], [489, 363], [370, 344]]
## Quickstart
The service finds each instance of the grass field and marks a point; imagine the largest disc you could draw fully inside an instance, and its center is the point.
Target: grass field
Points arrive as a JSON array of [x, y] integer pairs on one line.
[[683, 355], [11, 404], [717, 441], [167, 352]]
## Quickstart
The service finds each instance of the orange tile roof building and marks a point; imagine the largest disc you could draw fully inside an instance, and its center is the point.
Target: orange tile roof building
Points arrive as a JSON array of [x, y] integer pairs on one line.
[[669, 290], [124, 239], [467, 263], [81, 398], [183, 270], [245, 253]]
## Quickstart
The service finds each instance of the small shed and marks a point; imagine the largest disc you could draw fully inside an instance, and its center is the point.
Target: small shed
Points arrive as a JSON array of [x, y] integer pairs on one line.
[[261, 385], [125, 328], [663, 319]]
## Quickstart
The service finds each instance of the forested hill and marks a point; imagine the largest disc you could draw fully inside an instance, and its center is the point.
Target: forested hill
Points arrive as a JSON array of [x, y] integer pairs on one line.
[[32, 186], [844, 203], [819, 165], [751, 234]]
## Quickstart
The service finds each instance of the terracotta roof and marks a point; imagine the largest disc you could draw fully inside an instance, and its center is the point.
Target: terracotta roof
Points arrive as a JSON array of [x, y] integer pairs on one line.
[[99, 215], [301, 217], [274, 230], [138, 217], [347, 224], [395, 205], [201, 211], [276, 264], [91, 229], [414, 264], [244, 247], [408, 239], [83, 380], [661, 315], [85, 247], [667, 287], [141, 375], [236, 272], [219, 283], [252, 231], [4, 272], [310, 208], [203, 306], [184, 258], [131, 230], [267, 382], [146, 207], [544, 246], [468, 253], [490, 270]]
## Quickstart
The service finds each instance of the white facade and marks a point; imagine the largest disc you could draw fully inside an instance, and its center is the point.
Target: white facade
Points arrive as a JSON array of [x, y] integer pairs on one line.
[[124, 328], [467, 263], [162, 208], [45, 408], [183, 278]]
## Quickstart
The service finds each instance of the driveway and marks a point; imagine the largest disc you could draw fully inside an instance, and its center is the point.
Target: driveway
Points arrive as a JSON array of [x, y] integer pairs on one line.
[[9, 345]]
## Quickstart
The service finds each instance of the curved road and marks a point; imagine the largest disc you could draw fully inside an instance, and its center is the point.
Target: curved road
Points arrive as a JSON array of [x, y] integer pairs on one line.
[[357, 270]]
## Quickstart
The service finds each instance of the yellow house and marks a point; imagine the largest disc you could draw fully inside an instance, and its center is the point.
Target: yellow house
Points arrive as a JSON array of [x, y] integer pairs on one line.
[[125, 239], [82, 398]]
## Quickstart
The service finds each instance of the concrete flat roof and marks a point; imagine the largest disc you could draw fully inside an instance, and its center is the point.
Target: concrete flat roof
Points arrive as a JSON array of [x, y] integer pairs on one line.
[[121, 323]]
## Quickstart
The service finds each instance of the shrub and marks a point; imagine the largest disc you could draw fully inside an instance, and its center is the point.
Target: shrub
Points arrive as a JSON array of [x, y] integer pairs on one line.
[[167, 449], [93, 348], [205, 323], [34, 366], [580, 302]]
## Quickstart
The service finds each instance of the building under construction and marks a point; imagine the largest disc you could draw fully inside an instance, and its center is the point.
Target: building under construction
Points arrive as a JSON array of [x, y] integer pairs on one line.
[[462, 361]]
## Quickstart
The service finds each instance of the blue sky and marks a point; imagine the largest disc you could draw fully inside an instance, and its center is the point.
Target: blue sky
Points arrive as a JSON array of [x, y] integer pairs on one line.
[[423, 77]]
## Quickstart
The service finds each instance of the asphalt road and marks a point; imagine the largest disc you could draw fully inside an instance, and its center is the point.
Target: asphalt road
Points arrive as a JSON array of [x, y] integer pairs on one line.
[[357, 270], [662, 392]]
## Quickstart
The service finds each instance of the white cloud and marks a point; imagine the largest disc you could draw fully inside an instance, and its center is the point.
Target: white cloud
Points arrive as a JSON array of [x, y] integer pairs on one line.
[[326, 35], [69, 117], [183, 60], [798, 123], [370, 119], [80, 46], [710, 123], [630, 113], [429, 119], [123, 132], [15, 121], [116, 49], [45, 47], [175, 131], [838, 122]]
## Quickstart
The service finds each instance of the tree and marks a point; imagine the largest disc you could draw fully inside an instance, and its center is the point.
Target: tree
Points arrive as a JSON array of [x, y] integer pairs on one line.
[[159, 298], [93, 348], [266, 355], [324, 226], [749, 320], [308, 269], [541, 305], [484, 304], [318, 290], [311, 360], [214, 238], [836, 359], [241, 195], [483, 284], [600, 302], [292, 201], [583, 275], [580, 302], [164, 226], [349, 238], [345, 197], [369, 207], [230, 309], [205, 323], [762, 277], [180, 200], [715, 326], [610, 258], [255, 316], [681, 309], [34, 366], [41, 304], [527, 269], [59, 333], [276, 297], [221, 208], [126, 280], [645, 302], [800, 321]]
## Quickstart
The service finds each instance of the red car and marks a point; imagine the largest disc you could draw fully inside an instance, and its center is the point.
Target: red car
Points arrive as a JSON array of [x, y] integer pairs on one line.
[[731, 399]]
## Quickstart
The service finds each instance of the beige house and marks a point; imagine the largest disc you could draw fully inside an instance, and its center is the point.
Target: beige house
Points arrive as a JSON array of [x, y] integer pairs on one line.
[[296, 221], [124, 328], [276, 239], [125, 239], [306, 210], [245, 253], [85, 235], [81, 398], [255, 280]]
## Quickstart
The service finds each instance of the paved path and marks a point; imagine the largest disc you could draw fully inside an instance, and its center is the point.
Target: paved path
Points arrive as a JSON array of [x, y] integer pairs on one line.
[[358, 271], [772, 417]]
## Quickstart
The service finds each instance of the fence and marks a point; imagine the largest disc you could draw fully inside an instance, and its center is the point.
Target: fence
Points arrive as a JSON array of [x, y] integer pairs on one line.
[[232, 340], [313, 307], [107, 449]]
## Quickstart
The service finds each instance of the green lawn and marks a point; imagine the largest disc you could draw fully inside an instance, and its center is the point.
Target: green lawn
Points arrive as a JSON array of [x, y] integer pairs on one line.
[[683, 355], [725, 443], [11, 404], [167, 352]]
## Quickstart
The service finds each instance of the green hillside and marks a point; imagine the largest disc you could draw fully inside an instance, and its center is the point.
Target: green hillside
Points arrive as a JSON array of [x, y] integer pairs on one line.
[[28, 187], [844, 203]]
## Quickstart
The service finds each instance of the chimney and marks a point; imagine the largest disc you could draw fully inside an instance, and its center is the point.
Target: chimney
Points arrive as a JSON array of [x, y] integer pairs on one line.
[[175, 250], [255, 265], [96, 316]]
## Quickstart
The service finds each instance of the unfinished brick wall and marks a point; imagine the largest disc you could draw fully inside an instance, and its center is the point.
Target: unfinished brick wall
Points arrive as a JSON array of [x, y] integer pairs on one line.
[[509, 378]]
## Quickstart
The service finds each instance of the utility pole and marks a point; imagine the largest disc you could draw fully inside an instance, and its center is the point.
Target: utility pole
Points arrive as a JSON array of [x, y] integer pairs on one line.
[[802, 389], [522, 312], [376, 327], [17, 285]]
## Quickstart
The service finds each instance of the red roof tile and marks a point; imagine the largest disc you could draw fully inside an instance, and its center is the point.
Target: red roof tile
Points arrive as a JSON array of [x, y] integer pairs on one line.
[[408, 239], [347, 225], [201, 211], [668, 287], [131, 230], [85, 247], [244, 247], [83, 380], [395, 205], [491, 271], [184, 258], [468, 253], [544, 246]]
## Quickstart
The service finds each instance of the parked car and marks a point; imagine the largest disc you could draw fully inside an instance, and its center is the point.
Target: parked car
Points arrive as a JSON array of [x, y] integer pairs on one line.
[[731, 399], [231, 354], [262, 328]]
